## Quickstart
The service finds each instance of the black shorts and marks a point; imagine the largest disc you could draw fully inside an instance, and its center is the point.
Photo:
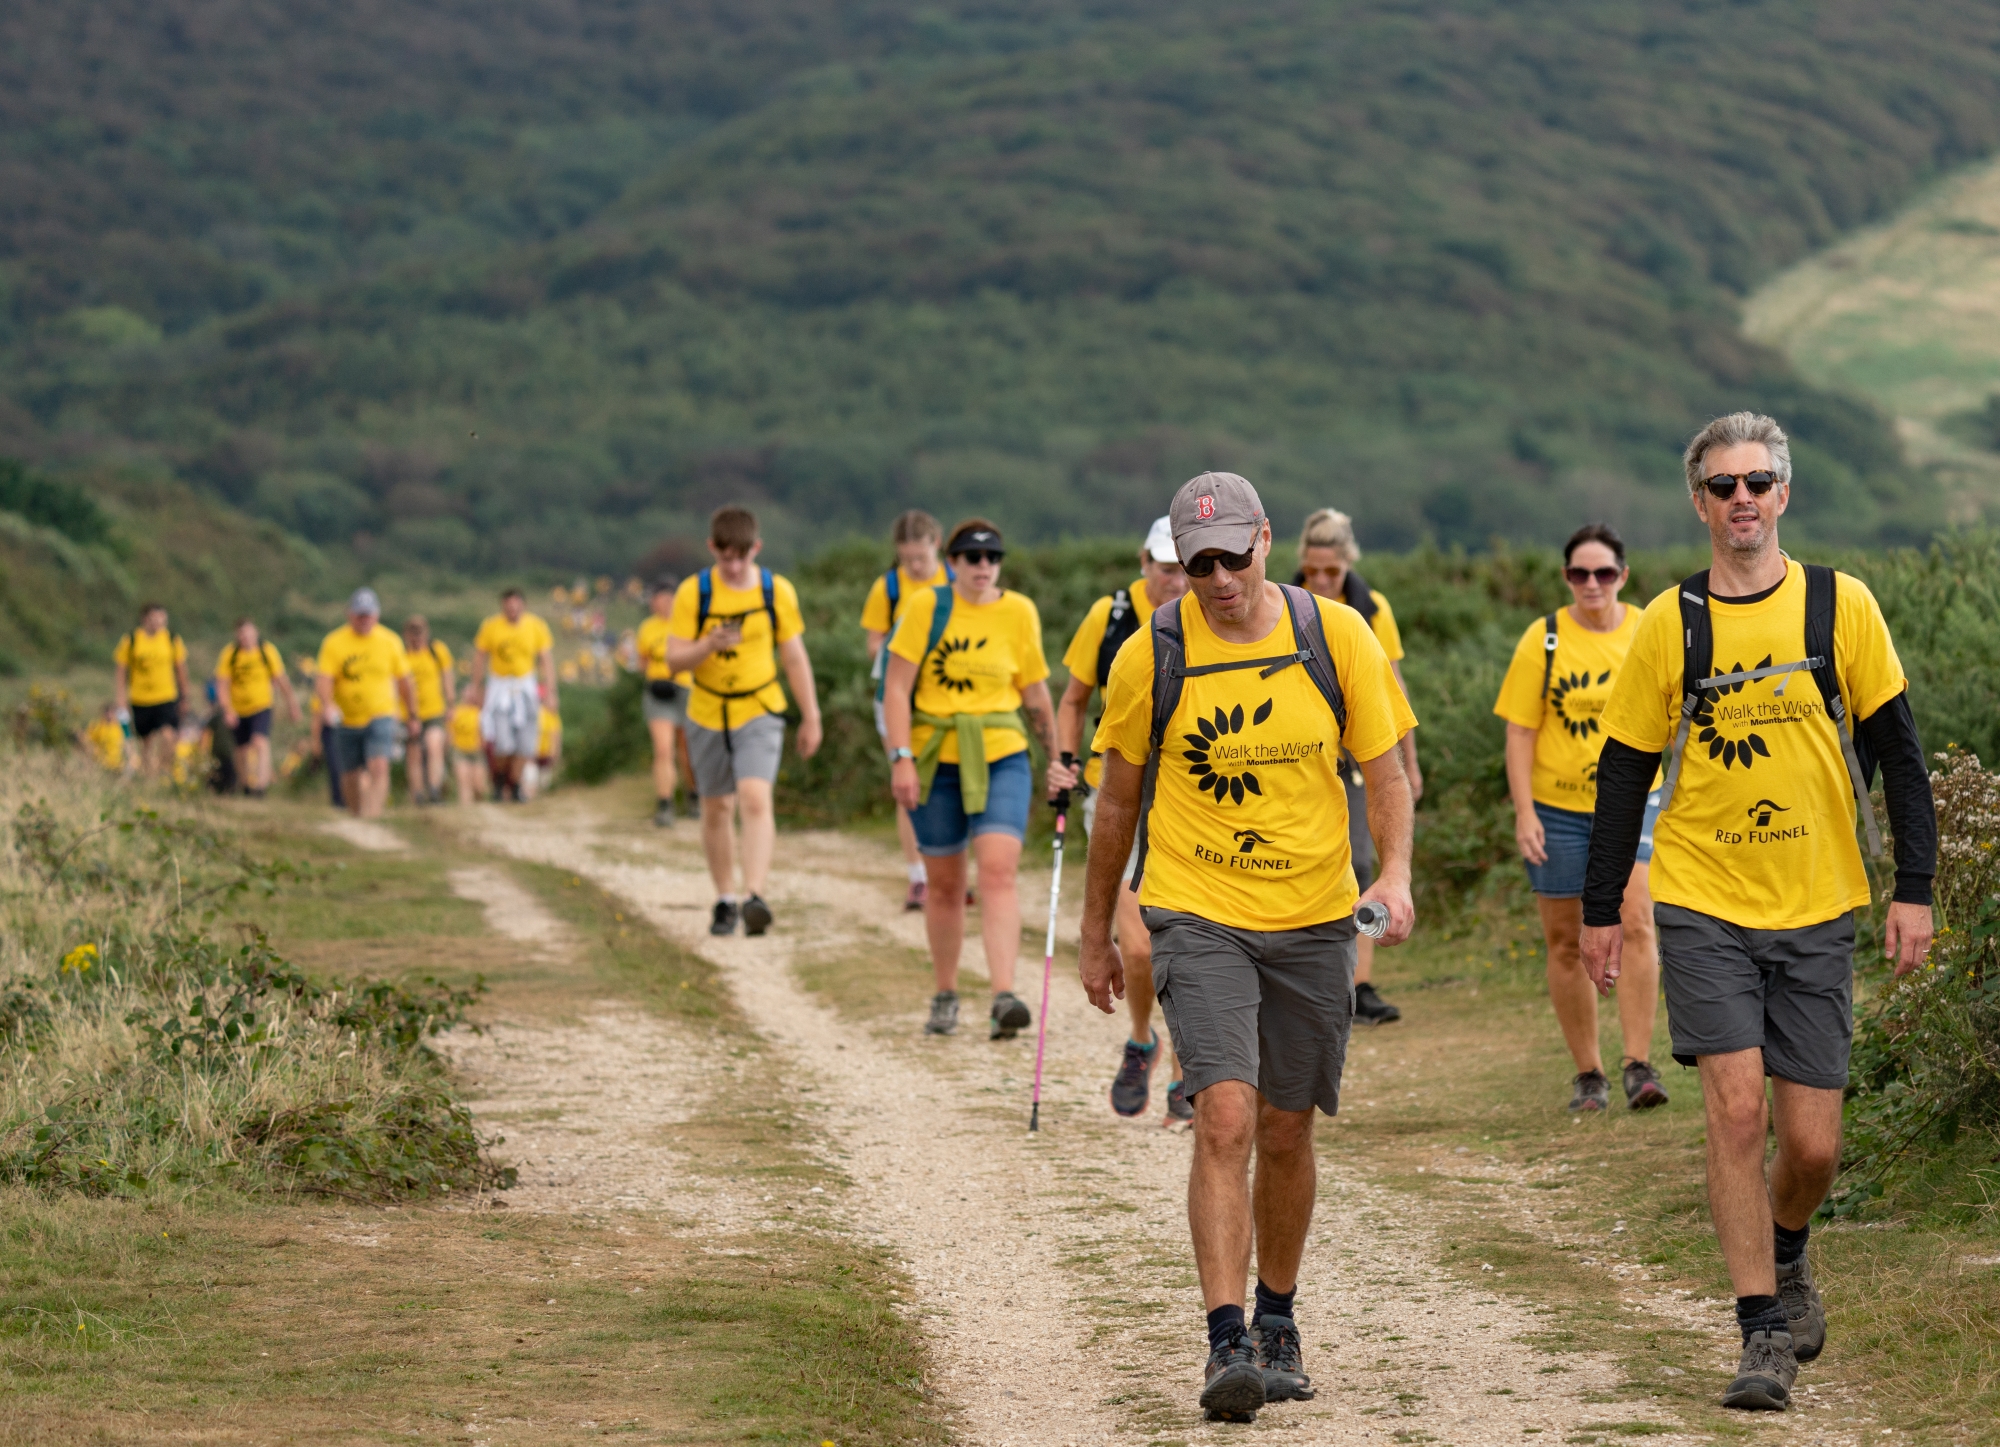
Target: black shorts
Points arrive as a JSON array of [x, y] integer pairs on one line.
[[250, 726], [150, 718], [1789, 993]]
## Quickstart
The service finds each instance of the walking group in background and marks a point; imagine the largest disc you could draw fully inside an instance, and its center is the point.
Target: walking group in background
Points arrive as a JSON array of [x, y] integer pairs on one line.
[[1686, 778]]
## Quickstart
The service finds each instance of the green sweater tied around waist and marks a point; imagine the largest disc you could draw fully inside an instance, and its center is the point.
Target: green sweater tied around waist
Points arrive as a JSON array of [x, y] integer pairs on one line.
[[970, 729]]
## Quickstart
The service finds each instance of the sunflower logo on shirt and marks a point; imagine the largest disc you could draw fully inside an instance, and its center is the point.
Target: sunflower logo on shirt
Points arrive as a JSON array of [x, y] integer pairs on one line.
[[941, 664], [1224, 783], [1579, 724], [1720, 746]]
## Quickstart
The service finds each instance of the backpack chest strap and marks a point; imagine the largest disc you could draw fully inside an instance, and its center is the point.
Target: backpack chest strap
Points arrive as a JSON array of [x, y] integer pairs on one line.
[[1750, 675], [1270, 666]]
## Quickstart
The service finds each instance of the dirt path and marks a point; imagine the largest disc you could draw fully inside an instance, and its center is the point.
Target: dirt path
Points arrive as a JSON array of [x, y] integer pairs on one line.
[[366, 834], [1053, 1270]]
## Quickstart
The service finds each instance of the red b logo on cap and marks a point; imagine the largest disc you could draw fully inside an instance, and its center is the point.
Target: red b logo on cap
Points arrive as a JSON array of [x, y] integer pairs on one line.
[[1206, 506]]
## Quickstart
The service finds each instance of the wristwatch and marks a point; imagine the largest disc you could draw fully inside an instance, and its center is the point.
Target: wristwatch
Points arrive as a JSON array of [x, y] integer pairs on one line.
[[896, 756]]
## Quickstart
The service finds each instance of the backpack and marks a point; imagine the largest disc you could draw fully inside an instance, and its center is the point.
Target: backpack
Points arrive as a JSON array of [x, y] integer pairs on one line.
[[892, 585], [174, 645], [1170, 669], [264, 651], [1122, 623], [1549, 651], [705, 593], [1699, 688]]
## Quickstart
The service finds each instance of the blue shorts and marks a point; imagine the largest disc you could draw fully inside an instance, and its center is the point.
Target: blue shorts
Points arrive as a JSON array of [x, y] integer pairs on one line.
[[376, 739], [1566, 837], [944, 828]]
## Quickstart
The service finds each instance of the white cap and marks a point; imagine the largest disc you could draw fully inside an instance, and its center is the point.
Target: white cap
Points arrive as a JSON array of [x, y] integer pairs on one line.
[[1160, 542]]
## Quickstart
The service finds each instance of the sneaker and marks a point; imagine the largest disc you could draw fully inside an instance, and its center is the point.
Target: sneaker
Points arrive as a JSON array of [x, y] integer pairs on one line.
[[1010, 1016], [1765, 1375], [724, 920], [914, 900], [1643, 1090], [1805, 1313], [1370, 1008], [1285, 1378], [944, 1013], [1593, 1092], [663, 814], [756, 915], [1132, 1087], [1179, 1108], [1232, 1382]]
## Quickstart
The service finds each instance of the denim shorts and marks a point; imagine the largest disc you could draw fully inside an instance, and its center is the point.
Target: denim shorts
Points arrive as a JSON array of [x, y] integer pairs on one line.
[[944, 828], [376, 739], [1566, 837]]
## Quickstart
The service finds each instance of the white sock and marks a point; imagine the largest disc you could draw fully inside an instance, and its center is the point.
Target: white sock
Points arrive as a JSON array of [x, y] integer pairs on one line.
[[917, 874], [727, 898]]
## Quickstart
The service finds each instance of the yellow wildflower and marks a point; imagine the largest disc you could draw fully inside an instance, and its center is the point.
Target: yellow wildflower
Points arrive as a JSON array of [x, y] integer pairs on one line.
[[79, 959]]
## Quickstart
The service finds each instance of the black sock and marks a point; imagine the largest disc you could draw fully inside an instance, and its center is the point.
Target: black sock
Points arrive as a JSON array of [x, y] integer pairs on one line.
[[1759, 1313], [1273, 1303], [1225, 1324], [1791, 1244]]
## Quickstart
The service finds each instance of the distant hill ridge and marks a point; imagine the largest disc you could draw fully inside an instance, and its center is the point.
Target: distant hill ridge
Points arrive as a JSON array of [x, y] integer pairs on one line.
[[526, 281]]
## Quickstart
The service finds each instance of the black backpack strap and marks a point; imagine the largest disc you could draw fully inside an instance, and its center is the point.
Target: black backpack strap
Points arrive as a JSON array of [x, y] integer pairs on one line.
[[1355, 593], [1120, 624], [1548, 652], [1822, 605], [1169, 675], [1697, 656], [1310, 631]]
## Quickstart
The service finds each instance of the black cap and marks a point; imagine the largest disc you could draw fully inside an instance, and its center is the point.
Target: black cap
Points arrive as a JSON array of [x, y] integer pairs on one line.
[[975, 540]]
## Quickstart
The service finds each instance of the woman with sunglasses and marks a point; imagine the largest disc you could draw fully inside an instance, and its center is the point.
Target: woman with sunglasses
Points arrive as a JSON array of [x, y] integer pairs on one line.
[[966, 680], [1556, 688]]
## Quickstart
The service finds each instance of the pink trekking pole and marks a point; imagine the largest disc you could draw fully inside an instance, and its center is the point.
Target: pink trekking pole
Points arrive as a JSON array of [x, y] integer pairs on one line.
[[1061, 803]]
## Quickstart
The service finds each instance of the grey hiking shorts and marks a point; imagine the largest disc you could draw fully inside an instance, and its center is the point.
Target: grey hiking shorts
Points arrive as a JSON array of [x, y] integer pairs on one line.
[[1270, 1008], [1789, 993], [751, 750]]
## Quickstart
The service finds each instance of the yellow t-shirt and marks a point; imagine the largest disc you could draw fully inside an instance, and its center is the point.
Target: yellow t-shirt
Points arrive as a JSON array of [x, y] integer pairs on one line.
[[1760, 831], [428, 667], [750, 668], [1249, 820], [512, 648], [149, 660], [249, 676], [988, 654], [1570, 731], [1384, 625], [651, 641], [365, 670], [551, 730], [1080, 658], [465, 729], [876, 616], [106, 738]]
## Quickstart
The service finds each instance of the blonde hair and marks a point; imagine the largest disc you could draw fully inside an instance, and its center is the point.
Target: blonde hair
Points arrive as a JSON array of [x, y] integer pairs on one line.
[[1329, 528], [916, 526]]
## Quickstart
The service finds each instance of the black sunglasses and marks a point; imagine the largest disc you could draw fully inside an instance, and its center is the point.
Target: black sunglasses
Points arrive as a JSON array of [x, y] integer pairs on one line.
[[1605, 576], [1722, 486], [1202, 564], [982, 555]]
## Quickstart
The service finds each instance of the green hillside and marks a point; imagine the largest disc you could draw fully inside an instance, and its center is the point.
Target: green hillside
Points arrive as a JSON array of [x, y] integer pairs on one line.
[[537, 282]]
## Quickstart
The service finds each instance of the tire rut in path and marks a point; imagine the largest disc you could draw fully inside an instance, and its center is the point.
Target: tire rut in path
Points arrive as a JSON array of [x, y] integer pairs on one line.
[[1053, 1272]]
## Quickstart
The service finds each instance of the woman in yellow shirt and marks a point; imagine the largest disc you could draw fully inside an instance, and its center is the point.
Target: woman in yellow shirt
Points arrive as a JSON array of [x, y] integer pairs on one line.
[[436, 688], [664, 702], [916, 537], [1553, 698], [965, 666]]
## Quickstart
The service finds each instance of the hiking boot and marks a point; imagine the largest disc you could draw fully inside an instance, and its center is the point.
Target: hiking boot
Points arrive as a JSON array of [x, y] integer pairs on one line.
[[756, 915], [914, 900], [724, 920], [1765, 1375], [1593, 1092], [1132, 1087], [1370, 1008], [1232, 1382], [1805, 1313], [944, 1013], [663, 814], [1643, 1090], [1010, 1016], [1179, 1107], [1285, 1378]]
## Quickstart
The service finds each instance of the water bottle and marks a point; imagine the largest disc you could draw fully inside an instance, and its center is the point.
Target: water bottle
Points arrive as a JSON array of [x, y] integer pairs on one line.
[[1372, 920]]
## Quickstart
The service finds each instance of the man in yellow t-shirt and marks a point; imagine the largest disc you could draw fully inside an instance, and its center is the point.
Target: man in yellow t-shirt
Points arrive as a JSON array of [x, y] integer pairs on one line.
[[248, 673], [736, 625], [916, 537], [1246, 883], [150, 679], [1742, 679], [1109, 622], [436, 691], [513, 679], [362, 671], [664, 702]]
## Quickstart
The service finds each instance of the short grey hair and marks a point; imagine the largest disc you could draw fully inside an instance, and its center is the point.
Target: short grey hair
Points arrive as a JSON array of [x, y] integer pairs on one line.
[[1328, 528], [1735, 430]]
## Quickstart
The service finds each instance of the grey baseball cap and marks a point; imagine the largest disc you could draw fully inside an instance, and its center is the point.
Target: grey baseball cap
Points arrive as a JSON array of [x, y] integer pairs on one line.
[[1215, 510], [365, 601]]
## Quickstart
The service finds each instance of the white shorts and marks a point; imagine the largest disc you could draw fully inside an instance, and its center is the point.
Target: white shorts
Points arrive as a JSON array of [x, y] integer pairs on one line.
[[511, 719]]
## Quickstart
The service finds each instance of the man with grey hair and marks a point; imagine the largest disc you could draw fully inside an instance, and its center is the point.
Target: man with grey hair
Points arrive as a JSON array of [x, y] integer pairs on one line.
[[1741, 680], [1224, 719], [362, 668]]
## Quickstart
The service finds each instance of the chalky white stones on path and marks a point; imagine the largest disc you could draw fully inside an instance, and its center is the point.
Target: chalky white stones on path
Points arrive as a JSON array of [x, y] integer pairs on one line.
[[365, 834]]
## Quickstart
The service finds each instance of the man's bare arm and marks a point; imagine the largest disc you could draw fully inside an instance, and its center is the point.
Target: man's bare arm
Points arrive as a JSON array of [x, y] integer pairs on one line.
[[1392, 822], [1099, 963]]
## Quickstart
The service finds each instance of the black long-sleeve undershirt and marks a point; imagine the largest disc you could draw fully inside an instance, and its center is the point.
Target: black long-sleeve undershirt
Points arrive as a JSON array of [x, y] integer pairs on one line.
[[1887, 737]]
